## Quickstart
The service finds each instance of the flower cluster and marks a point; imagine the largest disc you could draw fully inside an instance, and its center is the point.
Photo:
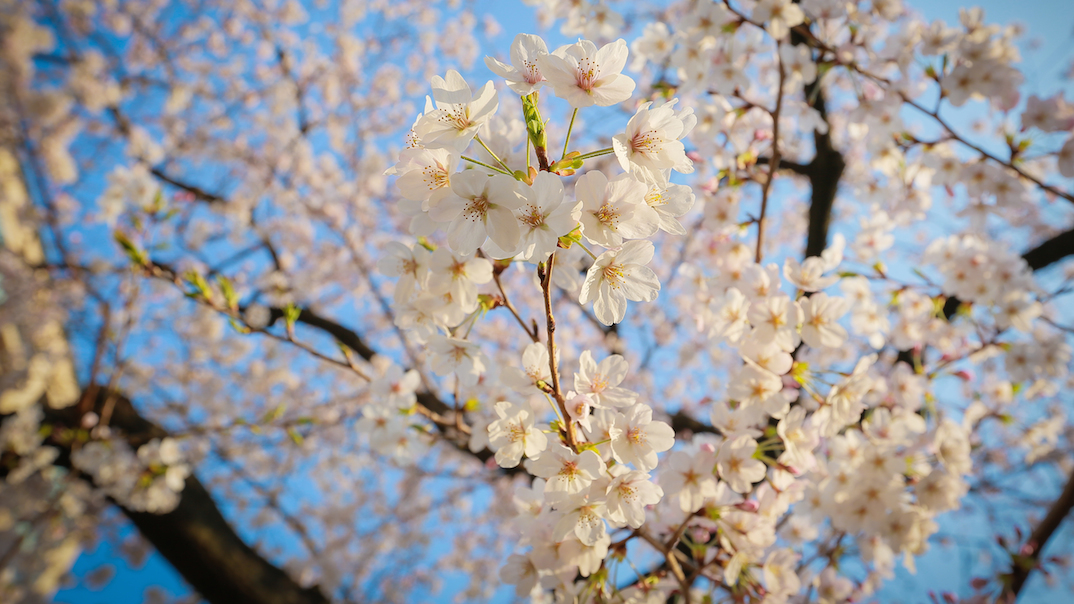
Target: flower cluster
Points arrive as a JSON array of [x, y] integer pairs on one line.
[[147, 481], [512, 211]]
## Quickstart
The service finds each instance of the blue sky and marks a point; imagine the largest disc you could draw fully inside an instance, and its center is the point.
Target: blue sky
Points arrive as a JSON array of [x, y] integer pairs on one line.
[[1046, 54]]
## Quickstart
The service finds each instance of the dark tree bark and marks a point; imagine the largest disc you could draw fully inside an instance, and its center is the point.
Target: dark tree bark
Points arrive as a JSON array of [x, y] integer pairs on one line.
[[1025, 563], [194, 537]]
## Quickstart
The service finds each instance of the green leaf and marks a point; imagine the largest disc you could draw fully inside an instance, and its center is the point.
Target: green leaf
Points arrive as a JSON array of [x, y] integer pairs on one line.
[[295, 436], [238, 327], [200, 284], [273, 415], [425, 243], [230, 298], [136, 255], [291, 314]]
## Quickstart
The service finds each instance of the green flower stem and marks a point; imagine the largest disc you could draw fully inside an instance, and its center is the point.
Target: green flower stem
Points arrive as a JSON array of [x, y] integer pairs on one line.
[[494, 156], [481, 163], [569, 129]]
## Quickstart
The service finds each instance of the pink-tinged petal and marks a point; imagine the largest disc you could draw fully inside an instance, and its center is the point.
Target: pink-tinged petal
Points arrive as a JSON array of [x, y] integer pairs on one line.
[[466, 234], [612, 57], [640, 284], [590, 189], [660, 436], [591, 285], [614, 368], [610, 307], [469, 184], [448, 209], [621, 146], [451, 90], [500, 68], [642, 224], [557, 71], [565, 526], [485, 103], [613, 91], [503, 228], [635, 252], [503, 191]]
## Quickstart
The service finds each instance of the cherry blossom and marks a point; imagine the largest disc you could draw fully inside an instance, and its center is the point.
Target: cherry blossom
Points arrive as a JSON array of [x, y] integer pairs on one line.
[[458, 112], [584, 75], [617, 276], [637, 438]]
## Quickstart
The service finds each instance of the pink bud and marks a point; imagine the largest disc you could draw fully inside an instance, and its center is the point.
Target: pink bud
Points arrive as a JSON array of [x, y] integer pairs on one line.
[[700, 534], [90, 420], [750, 505], [708, 448], [694, 156], [965, 375]]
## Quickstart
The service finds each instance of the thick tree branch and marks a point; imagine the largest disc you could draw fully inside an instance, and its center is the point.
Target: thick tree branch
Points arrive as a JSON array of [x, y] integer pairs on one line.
[[1051, 251], [194, 537], [1029, 559]]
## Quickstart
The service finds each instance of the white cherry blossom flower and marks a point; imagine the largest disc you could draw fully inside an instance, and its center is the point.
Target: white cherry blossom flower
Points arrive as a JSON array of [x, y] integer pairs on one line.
[[737, 466], [480, 207], [396, 388], [409, 264], [535, 368], [584, 517], [514, 435], [627, 496], [732, 422], [766, 355], [601, 381], [636, 438], [799, 440], [452, 355], [776, 319], [521, 572], [578, 408], [670, 202], [758, 390], [617, 276], [809, 275], [585, 76], [778, 16], [522, 75], [425, 175], [820, 316], [690, 478], [458, 275], [780, 577], [544, 216], [567, 473], [652, 143], [453, 122], [614, 210], [729, 316]]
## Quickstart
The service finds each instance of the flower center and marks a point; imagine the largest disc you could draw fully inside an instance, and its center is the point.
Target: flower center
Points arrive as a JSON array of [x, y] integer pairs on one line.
[[531, 215], [587, 75], [608, 215], [645, 142], [613, 274], [516, 433], [476, 209]]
